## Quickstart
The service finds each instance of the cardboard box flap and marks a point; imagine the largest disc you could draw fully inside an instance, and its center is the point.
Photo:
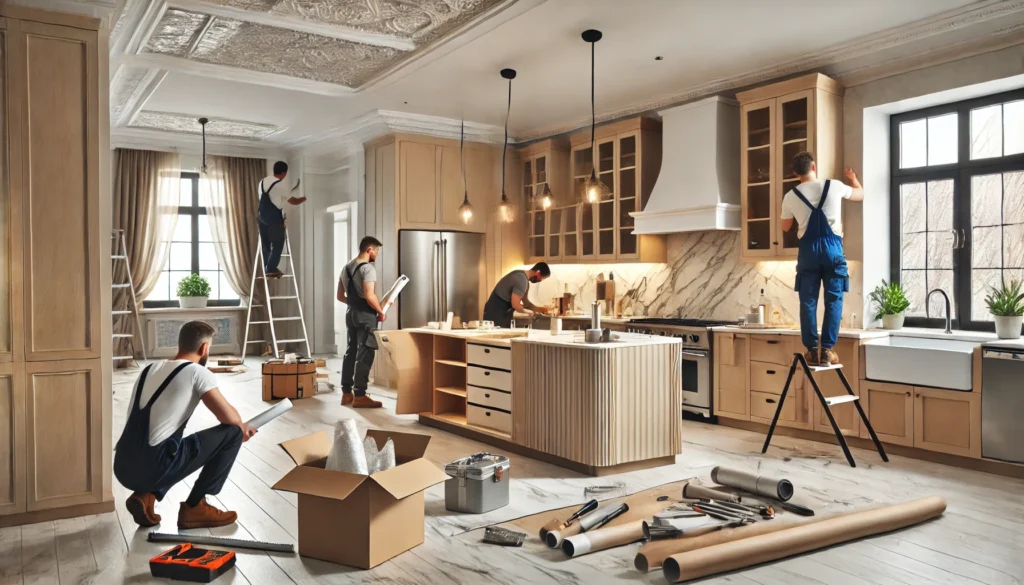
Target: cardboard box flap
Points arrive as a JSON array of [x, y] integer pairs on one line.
[[409, 478], [314, 481], [312, 447], [408, 446]]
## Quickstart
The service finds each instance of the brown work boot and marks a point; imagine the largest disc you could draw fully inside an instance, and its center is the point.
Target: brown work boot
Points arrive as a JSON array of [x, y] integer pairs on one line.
[[365, 402], [346, 398], [811, 357], [142, 508], [275, 274], [829, 357], [203, 516]]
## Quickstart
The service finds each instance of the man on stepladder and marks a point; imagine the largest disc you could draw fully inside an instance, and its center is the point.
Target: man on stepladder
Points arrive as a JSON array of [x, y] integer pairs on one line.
[[271, 217], [356, 289], [817, 207]]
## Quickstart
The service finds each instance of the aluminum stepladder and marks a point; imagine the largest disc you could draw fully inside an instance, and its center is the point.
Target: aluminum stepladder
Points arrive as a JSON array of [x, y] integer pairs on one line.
[[259, 273], [121, 255], [826, 403]]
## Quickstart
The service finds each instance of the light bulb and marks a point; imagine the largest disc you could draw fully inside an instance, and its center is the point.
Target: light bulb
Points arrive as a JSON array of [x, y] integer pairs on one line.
[[593, 194], [467, 215], [506, 213], [545, 202]]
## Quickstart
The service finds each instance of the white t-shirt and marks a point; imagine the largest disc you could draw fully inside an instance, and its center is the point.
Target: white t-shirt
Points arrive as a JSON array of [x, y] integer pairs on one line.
[[278, 195], [179, 400], [793, 207]]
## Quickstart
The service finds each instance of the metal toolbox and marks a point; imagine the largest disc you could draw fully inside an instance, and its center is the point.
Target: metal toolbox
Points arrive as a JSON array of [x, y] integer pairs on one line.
[[478, 483]]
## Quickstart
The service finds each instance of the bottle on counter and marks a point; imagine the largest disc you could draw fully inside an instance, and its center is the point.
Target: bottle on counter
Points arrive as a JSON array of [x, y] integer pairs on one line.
[[765, 308]]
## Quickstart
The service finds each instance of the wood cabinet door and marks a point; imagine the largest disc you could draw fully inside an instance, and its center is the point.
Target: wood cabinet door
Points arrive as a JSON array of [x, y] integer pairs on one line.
[[947, 421], [452, 191], [757, 179], [420, 184], [890, 410], [731, 374], [63, 433], [480, 165], [794, 133], [60, 163], [12, 439], [606, 156], [627, 194], [10, 232]]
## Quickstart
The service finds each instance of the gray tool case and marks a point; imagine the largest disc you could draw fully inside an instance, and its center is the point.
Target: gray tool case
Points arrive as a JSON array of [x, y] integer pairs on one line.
[[478, 483]]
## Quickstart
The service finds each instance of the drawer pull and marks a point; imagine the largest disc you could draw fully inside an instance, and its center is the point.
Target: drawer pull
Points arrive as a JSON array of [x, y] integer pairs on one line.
[[486, 395], [772, 341], [908, 394], [487, 350], [487, 373], [487, 413], [772, 372], [770, 400]]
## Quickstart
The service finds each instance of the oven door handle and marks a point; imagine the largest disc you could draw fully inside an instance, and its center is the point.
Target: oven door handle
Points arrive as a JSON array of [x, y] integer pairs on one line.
[[695, 353]]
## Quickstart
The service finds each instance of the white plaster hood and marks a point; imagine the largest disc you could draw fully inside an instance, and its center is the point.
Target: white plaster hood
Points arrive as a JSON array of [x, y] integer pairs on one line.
[[699, 185]]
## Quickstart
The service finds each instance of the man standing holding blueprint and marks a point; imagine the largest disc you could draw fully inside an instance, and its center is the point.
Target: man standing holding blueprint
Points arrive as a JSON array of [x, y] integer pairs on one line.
[[356, 288]]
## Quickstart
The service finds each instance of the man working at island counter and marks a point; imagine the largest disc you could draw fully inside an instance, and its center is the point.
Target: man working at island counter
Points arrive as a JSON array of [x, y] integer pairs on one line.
[[356, 289], [509, 295], [817, 207]]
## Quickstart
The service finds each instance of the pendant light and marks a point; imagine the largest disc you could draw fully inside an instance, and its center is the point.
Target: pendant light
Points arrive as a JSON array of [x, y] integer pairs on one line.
[[546, 198], [203, 122], [465, 210], [506, 211], [593, 189]]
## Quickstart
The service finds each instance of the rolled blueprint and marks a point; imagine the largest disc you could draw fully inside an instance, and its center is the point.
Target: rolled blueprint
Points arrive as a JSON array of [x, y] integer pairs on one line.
[[780, 489], [696, 491], [347, 453], [553, 524], [270, 414], [603, 538], [554, 538], [799, 539], [389, 297]]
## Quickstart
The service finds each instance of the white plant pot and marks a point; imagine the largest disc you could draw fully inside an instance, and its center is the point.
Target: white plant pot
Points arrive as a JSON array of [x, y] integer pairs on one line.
[[1008, 327], [893, 321], [192, 302]]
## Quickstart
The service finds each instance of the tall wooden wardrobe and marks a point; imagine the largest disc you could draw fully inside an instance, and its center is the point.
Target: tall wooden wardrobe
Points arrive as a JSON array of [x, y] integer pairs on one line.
[[54, 398]]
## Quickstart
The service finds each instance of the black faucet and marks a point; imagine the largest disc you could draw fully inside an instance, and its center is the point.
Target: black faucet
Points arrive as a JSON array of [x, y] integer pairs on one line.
[[949, 321]]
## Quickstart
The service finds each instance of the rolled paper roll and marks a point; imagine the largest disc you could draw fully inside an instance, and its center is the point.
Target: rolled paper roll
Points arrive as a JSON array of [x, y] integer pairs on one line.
[[270, 414], [780, 489], [554, 538], [696, 491], [554, 524], [796, 540], [603, 538]]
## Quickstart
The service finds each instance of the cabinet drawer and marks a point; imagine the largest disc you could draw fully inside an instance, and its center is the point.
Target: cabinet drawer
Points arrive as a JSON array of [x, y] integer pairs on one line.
[[766, 377], [485, 378], [763, 405], [489, 418], [490, 357], [490, 398], [774, 349]]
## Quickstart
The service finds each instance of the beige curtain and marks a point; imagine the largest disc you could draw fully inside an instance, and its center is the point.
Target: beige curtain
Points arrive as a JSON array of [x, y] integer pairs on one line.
[[146, 186], [229, 191]]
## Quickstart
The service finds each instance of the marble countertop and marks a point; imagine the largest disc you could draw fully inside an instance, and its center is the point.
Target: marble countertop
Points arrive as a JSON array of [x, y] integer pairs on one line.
[[849, 333], [617, 321], [496, 337], [575, 339]]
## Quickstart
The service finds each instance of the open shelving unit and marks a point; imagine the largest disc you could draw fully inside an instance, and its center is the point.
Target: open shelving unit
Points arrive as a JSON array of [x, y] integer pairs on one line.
[[449, 376]]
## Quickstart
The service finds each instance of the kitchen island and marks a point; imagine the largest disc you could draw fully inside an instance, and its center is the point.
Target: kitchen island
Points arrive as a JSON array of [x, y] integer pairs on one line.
[[596, 408]]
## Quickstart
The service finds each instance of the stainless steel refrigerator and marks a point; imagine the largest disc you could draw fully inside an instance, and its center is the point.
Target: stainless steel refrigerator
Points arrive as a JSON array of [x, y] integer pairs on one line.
[[445, 270]]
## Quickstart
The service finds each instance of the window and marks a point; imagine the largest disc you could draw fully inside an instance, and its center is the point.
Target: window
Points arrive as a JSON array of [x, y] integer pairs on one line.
[[192, 251], [958, 206]]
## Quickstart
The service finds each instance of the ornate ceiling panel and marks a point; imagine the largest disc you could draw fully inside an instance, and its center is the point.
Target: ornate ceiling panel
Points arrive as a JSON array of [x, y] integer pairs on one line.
[[186, 124], [421, 20], [123, 88], [269, 49]]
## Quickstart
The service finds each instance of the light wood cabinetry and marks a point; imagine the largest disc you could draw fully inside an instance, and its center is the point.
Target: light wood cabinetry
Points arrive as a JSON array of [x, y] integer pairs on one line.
[[890, 408], [776, 122], [946, 421], [731, 375], [52, 411], [770, 359], [552, 233], [628, 159]]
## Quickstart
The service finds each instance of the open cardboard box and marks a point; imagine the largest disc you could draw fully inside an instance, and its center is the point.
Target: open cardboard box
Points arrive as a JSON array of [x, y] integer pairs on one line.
[[359, 520]]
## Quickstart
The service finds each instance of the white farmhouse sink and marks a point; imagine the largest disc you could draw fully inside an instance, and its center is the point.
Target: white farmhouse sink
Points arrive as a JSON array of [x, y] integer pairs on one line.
[[921, 361]]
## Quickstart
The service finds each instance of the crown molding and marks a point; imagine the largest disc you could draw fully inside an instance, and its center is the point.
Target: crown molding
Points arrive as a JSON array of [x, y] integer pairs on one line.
[[142, 139], [101, 9], [140, 88], [830, 60]]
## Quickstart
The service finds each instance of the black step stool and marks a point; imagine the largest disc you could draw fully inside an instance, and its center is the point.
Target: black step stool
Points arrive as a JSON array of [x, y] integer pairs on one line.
[[826, 403]]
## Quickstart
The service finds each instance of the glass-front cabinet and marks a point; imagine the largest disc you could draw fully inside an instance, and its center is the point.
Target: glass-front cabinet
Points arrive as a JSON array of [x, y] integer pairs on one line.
[[551, 216], [777, 122]]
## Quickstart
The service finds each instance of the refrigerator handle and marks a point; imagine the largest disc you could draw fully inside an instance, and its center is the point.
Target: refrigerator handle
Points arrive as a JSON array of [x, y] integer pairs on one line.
[[444, 278], [435, 286]]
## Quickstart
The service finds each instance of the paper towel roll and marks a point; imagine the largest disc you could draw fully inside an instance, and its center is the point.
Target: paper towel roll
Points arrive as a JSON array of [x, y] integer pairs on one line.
[[347, 453]]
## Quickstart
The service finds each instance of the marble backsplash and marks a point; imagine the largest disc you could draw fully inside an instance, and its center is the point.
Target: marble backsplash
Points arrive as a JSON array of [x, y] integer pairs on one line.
[[703, 278]]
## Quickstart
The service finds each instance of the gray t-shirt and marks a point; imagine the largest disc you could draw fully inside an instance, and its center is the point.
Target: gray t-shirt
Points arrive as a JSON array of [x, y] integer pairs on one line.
[[513, 282], [365, 274]]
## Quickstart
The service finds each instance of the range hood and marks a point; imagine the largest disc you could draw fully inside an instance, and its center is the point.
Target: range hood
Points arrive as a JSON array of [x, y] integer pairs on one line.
[[699, 185]]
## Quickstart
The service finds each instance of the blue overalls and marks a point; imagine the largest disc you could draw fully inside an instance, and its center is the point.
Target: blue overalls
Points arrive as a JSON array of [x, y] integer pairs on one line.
[[820, 261], [271, 224]]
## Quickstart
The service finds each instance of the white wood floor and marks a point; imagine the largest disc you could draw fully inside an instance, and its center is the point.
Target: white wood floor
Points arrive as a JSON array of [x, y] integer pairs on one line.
[[980, 539]]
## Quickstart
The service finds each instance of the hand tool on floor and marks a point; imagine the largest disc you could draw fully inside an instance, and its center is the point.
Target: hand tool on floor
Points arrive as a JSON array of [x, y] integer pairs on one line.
[[220, 541], [765, 511], [606, 518], [503, 536], [713, 508], [583, 511], [185, 562]]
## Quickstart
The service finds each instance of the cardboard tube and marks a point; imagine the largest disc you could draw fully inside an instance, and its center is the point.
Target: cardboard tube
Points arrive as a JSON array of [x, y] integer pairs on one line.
[[554, 538], [798, 539], [693, 490], [552, 525], [603, 538], [653, 554], [780, 489]]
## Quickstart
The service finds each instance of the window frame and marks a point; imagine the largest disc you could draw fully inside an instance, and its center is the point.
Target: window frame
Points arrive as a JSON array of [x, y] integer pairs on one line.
[[192, 212], [961, 173]]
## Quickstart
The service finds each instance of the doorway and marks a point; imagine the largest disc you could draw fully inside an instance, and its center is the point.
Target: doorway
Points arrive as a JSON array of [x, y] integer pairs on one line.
[[344, 237]]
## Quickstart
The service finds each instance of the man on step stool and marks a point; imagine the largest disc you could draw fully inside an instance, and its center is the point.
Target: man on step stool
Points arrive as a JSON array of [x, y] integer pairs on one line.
[[817, 207]]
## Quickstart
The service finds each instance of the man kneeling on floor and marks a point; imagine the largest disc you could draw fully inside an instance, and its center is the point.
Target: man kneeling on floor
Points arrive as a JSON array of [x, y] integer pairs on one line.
[[153, 454]]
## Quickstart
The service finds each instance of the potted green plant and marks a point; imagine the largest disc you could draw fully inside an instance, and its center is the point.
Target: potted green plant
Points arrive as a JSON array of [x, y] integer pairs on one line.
[[1006, 303], [193, 292], [891, 303]]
